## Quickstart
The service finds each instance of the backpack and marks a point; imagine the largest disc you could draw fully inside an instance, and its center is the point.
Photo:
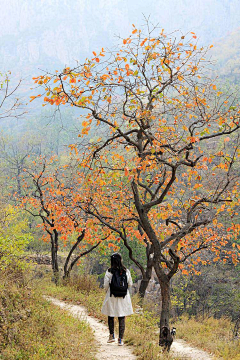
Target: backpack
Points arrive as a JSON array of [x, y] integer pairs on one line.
[[119, 284]]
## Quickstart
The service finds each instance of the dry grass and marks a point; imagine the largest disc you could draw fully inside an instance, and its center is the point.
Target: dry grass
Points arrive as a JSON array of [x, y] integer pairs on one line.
[[31, 328], [213, 335]]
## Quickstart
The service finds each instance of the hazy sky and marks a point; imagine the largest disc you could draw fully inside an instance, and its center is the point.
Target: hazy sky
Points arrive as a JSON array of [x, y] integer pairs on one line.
[[50, 33]]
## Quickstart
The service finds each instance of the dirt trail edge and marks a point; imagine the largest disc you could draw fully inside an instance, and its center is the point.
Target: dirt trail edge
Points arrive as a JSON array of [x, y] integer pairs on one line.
[[182, 350], [106, 351], [112, 351]]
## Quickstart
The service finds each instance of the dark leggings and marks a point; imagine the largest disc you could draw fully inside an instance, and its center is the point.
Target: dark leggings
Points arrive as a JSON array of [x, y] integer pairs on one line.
[[121, 321]]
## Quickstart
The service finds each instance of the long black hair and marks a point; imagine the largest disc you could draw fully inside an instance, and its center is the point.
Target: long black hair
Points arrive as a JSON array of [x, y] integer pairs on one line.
[[116, 263]]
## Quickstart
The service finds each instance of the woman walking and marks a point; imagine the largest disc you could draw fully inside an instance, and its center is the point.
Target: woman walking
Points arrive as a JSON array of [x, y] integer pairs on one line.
[[117, 302]]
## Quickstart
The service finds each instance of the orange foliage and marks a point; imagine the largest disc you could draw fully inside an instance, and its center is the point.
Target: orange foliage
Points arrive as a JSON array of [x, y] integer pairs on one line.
[[169, 140]]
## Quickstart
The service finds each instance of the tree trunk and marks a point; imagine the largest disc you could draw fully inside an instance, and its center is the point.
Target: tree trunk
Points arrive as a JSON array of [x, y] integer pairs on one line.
[[18, 180], [165, 296], [143, 287], [67, 269], [54, 250], [146, 275], [165, 338], [145, 281]]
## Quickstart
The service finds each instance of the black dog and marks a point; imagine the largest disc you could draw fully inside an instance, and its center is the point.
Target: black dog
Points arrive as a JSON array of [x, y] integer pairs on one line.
[[166, 338], [173, 332]]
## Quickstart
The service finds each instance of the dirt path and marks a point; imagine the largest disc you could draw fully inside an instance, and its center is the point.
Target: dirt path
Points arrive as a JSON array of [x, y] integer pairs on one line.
[[112, 351], [181, 349], [106, 351]]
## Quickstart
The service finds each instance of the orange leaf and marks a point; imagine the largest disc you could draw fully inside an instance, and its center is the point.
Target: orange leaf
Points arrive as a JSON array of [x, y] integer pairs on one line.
[[94, 53], [124, 41], [126, 66], [97, 60], [134, 31], [143, 42], [85, 123]]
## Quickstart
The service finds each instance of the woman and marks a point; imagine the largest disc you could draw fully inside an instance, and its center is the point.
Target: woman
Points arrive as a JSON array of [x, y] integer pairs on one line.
[[118, 305]]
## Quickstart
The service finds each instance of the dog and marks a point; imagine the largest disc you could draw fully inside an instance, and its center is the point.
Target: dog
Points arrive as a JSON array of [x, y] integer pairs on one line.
[[173, 332], [166, 338]]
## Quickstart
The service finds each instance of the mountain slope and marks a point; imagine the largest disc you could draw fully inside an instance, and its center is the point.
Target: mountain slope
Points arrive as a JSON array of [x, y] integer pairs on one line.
[[51, 33], [226, 54]]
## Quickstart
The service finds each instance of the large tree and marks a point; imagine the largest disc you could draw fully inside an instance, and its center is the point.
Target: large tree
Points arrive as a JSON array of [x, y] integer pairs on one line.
[[178, 138]]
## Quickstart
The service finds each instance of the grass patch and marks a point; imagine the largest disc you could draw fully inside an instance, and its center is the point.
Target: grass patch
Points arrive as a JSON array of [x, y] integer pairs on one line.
[[212, 335], [33, 329]]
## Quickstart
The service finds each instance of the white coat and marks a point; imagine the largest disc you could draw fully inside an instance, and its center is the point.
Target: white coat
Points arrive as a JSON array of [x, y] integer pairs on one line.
[[117, 306]]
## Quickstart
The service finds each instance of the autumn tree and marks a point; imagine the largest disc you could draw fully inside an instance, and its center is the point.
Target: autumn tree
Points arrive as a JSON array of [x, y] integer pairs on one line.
[[178, 137], [50, 194], [109, 201]]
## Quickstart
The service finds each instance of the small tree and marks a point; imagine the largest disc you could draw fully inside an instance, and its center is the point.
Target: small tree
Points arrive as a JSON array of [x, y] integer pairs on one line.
[[14, 236], [50, 196], [10, 104], [178, 136], [10, 107]]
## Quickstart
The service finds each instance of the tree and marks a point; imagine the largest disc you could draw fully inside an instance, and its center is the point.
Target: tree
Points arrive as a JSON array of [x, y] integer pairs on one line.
[[10, 106], [50, 195], [178, 136], [14, 156], [14, 235]]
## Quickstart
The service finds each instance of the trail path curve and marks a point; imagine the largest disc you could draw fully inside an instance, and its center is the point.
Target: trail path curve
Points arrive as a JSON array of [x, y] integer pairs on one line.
[[112, 351], [106, 351]]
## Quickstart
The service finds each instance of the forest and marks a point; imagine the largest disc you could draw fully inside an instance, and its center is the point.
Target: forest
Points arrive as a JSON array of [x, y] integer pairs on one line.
[[133, 150]]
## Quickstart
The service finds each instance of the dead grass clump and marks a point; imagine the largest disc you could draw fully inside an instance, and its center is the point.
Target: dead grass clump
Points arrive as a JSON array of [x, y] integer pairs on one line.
[[83, 283]]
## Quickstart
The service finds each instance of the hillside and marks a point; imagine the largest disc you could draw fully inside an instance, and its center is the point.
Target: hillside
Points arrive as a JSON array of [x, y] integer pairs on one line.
[[49, 34], [226, 54]]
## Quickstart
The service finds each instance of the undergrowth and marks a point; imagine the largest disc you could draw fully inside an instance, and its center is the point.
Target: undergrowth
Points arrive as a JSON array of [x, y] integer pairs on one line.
[[32, 329], [213, 335]]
